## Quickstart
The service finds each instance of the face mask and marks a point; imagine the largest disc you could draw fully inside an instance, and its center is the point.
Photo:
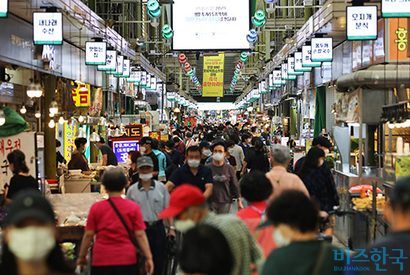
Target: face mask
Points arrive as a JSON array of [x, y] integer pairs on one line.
[[249, 140], [279, 239], [207, 152], [194, 163], [128, 161], [326, 151], [143, 150], [321, 162], [31, 244], [230, 151], [169, 151], [146, 177], [184, 226], [218, 156]]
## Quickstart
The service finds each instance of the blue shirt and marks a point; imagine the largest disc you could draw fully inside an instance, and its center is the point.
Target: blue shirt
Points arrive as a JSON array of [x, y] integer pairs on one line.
[[162, 162], [184, 175]]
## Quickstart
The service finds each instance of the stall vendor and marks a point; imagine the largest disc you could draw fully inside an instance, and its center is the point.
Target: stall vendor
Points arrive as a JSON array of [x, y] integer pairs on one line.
[[78, 159], [109, 157]]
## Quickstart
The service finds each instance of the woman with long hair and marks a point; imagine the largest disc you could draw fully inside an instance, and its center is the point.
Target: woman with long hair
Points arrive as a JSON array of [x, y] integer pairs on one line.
[[256, 158], [29, 243], [21, 178]]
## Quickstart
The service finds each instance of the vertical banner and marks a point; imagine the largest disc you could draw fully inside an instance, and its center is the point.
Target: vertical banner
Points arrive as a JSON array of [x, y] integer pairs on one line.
[[69, 137], [81, 95], [398, 39], [213, 79]]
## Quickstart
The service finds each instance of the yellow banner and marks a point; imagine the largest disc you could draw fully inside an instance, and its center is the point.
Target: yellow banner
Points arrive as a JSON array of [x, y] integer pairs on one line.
[[69, 137], [81, 95], [213, 80]]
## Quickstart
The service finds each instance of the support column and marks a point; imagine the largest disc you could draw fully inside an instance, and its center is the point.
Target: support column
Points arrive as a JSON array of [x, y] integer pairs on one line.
[[50, 84], [293, 119]]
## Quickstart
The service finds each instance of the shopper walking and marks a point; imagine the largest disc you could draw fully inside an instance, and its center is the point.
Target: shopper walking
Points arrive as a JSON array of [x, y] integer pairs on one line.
[[152, 197], [225, 184], [162, 161], [320, 185], [146, 150], [111, 235], [246, 141], [295, 217], [279, 177], [189, 140], [256, 157], [237, 152], [193, 172], [133, 176], [188, 205], [29, 240], [21, 179]]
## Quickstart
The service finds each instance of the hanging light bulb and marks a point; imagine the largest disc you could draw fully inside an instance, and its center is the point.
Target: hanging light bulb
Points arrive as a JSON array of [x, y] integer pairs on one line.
[[23, 110], [102, 121], [51, 124], [34, 90], [95, 137], [72, 121], [122, 130], [391, 125], [117, 132], [2, 117], [37, 114], [61, 120], [110, 132], [81, 133], [81, 119], [53, 107]]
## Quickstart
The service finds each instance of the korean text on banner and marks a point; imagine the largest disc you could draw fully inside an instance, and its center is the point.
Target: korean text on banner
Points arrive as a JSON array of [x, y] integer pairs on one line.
[[398, 39], [213, 81], [25, 142], [69, 137], [81, 96]]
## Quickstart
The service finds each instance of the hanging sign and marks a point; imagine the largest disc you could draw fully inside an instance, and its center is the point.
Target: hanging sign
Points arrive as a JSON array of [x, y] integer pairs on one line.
[[264, 87], [398, 37], [291, 67], [307, 58], [270, 80], [153, 85], [69, 137], [284, 67], [119, 67], [133, 76], [81, 95], [277, 78], [299, 63], [110, 62], [155, 135], [213, 76], [95, 53], [126, 68], [148, 82], [48, 28], [361, 22], [395, 8], [143, 82], [4, 8], [322, 49]]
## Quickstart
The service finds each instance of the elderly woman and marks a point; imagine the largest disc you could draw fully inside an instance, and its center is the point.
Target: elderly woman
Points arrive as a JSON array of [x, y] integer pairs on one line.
[[111, 235]]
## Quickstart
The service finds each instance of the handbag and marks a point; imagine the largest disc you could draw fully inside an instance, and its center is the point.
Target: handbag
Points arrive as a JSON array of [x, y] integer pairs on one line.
[[140, 257]]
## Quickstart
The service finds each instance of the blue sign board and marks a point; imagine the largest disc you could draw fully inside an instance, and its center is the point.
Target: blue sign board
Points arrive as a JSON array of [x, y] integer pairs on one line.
[[122, 147]]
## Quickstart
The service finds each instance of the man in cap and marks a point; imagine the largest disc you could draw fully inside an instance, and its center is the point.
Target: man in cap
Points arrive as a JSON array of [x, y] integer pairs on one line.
[[396, 245], [152, 196], [188, 205], [146, 150]]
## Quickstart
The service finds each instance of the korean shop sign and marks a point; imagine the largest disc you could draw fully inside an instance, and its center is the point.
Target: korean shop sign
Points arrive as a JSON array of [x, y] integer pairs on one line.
[[126, 68], [398, 39], [48, 28], [291, 67], [322, 49], [307, 58], [95, 53], [110, 62], [4, 7], [299, 63], [361, 22], [277, 78], [395, 8], [81, 95]]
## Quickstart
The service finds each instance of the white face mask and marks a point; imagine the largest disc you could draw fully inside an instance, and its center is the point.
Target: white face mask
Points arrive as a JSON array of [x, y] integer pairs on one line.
[[279, 239], [169, 151], [326, 151], [31, 244], [143, 149], [249, 141], [184, 226], [194, 163], [230, 151], [145, 177], [207, 152], [128, 161], [218, 156]]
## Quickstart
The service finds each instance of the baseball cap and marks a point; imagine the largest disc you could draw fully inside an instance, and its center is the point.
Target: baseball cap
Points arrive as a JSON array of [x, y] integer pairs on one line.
[[144, 161], [184, 196], [29, 204], [401, 192], [145, 140]]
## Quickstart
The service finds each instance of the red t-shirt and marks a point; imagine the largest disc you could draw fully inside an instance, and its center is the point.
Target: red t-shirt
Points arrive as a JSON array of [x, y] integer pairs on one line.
[[112, 244]]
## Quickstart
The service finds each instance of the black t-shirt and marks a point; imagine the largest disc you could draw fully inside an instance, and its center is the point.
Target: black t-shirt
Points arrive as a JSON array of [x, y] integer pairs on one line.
[[257, 160], [19, 182], [133, 176], [184, 175], [111, 158], [155, 161]]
